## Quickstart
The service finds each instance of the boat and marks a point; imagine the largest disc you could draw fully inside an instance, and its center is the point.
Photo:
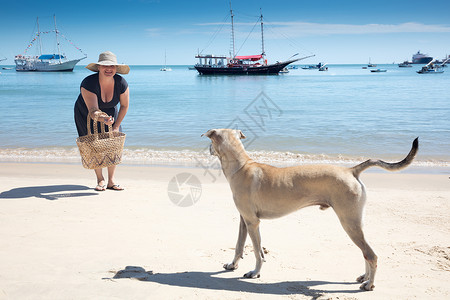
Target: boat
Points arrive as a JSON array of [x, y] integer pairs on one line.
[[405, 64], [165, 69], [284, 71], [371, 65], [443, 60], [378, 70], [420, 58], [6, 68], [312, 67], [323, 68], [210, 64], [433, 68], [55, 62]]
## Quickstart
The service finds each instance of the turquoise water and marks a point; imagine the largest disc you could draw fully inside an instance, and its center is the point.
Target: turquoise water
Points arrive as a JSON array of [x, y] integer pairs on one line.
[[344, 113]]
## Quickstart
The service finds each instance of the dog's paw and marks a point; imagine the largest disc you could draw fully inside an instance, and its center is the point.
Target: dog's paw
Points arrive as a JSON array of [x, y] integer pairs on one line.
[[252, 274], [362, 278], [367, 286], [230, 266]]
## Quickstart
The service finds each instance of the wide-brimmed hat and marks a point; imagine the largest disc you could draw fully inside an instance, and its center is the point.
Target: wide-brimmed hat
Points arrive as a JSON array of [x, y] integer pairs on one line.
[[108, 59]]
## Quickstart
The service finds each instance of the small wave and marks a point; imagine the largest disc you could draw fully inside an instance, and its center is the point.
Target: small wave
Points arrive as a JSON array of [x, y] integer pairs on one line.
[[192, 158]]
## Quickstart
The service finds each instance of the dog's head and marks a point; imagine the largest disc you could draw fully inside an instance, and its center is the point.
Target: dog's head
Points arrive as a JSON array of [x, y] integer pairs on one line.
[[224, 140]]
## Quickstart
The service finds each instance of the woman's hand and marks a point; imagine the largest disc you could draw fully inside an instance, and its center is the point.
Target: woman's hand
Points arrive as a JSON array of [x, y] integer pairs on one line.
[[102, 117], [109, 120]]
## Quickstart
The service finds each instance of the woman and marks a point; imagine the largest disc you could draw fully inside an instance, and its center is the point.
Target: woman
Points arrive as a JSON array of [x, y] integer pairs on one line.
[[100, 94]]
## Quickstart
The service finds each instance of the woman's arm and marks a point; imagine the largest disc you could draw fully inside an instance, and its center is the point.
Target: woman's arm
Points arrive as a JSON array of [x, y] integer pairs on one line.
[[124, 102]]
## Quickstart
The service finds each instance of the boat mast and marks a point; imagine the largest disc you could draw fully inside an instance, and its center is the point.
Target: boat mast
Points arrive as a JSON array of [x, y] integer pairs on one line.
[[57, 40], [39, 36], [262, 35], [232, 31]]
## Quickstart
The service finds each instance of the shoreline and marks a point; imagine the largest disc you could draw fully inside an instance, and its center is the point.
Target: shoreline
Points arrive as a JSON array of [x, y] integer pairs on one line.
[[187, 158], [61, 239]]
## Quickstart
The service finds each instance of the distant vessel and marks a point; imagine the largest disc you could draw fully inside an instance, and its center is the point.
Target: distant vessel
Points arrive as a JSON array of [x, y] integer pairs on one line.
[[433, 67], [378, 70], [46, 62], [323, 68], [165, 69], [313, 67], [405, 64], [371, 65], [210, 64], [420, 58]]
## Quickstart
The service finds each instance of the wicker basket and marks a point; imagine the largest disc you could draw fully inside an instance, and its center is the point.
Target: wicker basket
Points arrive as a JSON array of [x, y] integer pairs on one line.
[[100, 150]]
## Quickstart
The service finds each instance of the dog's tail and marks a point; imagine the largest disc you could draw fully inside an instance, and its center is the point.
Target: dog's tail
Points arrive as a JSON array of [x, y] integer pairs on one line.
[[388, 166]]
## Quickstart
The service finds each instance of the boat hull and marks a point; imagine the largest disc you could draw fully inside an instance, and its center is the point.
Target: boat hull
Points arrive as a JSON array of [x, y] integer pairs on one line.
[[422, 60], [272, 69], [45, 66]]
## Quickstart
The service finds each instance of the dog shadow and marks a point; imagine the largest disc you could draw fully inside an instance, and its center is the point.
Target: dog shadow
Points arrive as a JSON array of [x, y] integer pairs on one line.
[[213, 281], [49, 192]]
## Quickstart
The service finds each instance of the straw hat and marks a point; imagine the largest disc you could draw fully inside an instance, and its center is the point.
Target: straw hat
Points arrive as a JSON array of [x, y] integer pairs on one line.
[[108, 59]]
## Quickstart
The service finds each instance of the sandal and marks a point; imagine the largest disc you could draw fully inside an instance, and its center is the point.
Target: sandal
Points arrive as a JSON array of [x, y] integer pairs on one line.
[[100, 188], [115, 187]]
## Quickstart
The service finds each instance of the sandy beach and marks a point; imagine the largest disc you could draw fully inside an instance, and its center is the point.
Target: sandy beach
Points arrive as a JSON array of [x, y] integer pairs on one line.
[[60, 239]]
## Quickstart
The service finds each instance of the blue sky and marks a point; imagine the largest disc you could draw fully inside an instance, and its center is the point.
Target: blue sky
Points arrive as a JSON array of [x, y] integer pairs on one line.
[[140, 31]]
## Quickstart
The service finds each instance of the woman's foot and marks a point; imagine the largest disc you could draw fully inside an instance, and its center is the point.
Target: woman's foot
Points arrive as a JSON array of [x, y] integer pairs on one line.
[[101, 186], [115, 187]]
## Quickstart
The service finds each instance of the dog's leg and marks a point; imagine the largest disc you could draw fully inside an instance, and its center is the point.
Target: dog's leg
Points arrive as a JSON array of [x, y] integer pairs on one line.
[[239, 252], [253, 231], [353, 226]]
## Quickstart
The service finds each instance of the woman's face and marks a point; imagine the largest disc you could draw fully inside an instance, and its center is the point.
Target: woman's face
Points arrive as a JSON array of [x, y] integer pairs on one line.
[[107, 71]]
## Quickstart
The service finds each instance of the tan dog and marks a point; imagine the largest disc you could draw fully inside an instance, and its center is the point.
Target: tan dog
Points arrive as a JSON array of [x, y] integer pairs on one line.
[[262, 191]]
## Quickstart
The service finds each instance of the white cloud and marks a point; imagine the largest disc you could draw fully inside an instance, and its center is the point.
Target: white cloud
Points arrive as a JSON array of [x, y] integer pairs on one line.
[[153, 32], [304, 28]]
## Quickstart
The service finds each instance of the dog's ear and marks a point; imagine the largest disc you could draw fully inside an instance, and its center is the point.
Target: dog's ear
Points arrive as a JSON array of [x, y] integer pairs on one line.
[[209, 133], [242, 136]]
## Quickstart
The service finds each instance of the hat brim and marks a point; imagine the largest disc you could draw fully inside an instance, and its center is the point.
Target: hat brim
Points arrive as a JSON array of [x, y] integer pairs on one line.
[[121, 69]]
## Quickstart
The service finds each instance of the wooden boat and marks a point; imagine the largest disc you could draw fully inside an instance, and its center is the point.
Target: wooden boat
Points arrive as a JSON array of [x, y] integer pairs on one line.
[[243, 64]]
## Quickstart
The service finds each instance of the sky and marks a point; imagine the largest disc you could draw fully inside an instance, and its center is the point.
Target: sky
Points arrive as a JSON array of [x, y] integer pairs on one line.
[[143, 32]]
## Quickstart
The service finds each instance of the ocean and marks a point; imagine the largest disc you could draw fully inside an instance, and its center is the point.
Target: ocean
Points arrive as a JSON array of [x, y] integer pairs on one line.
[[344, 115]]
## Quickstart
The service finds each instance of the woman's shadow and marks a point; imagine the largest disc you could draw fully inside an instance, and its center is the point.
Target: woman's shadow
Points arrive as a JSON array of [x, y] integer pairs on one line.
[[213, 281], [49, 192]]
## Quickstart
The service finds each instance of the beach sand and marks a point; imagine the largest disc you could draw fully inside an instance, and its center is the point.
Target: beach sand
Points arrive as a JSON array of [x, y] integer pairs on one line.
[[60, 239]]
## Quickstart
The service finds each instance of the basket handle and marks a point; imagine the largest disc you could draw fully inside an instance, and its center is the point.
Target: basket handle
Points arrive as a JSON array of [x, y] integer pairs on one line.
[[102, 128]]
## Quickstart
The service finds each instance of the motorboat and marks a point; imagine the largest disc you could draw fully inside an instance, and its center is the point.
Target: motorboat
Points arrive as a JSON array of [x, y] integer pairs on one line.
[[405, 64], [433, 67]]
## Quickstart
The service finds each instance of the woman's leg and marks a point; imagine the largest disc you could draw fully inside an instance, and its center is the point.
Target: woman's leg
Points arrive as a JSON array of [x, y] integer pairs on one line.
[[100, 180], [111, 183]]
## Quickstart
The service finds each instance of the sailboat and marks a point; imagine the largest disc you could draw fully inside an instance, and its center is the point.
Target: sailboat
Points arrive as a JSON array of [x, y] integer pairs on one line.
[[371, 65], [55, 62], [165, 69], [241, 65]]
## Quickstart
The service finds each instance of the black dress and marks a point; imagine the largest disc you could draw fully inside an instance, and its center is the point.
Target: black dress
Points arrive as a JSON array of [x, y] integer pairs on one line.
[[92, 84]]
